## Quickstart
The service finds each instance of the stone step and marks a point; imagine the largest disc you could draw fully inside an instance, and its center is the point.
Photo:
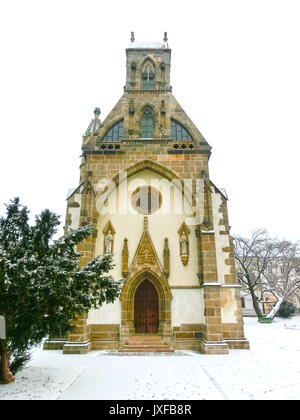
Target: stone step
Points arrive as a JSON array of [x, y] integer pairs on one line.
[[162, 347], [145, 339], [143, 350], [147, 343], [152, 337]]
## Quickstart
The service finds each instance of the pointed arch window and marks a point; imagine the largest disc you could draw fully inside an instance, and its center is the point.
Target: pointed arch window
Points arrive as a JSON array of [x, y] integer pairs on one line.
[[162, 73], [147, 123], [178, 132], [115, 133], [148, 76]]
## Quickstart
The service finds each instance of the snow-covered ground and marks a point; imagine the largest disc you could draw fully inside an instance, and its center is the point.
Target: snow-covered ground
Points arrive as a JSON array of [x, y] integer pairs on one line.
[[270, 370]]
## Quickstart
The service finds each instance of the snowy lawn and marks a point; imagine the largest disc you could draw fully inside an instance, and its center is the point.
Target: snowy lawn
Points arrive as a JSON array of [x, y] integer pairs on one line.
[[270, 370]]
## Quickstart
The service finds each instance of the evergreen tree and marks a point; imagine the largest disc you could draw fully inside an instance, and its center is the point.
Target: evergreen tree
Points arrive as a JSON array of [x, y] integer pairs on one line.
[[42, 286], [286, 310]]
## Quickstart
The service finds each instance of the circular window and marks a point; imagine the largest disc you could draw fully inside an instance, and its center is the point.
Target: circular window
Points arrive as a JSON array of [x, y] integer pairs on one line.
[[146, 200]]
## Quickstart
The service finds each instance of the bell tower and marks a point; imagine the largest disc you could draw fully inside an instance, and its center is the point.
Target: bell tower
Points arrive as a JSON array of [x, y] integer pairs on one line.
[[148, 65]]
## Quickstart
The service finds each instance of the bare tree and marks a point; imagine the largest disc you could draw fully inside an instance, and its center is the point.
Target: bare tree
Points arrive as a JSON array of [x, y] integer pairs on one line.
[[253, 257], [282, 278]]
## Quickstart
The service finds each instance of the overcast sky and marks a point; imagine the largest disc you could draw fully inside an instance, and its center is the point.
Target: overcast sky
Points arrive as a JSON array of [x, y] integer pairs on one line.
[[235, 71]]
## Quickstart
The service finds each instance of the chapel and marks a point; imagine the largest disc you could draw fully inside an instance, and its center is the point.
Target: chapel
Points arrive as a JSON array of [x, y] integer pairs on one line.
[[145, 186]]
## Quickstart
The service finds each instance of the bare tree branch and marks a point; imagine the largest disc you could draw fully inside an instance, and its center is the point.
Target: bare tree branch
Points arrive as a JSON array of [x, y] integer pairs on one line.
[[267, 265]]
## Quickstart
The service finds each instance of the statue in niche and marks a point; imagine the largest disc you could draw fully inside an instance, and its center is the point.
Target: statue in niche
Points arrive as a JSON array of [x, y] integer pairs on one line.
[[184, 244], [108, 243], [163, 131]]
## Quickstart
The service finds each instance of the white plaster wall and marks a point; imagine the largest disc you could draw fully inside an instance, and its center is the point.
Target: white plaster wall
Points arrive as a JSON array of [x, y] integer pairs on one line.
[[108, 314], [75, 212], [130, 226], [187, 307]]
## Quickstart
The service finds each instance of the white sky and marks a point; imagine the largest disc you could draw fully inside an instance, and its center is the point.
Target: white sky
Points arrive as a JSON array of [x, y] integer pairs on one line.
[[235, 71]]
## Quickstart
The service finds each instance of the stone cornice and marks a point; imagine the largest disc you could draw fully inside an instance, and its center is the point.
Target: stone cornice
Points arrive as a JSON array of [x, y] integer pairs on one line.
[[231, 285], [187, 152], [146, 141], [143, 91], [160, 49], [103, 152]]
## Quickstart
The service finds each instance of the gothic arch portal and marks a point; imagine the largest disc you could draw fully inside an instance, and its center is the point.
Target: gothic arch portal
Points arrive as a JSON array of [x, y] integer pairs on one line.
[[128, 294]]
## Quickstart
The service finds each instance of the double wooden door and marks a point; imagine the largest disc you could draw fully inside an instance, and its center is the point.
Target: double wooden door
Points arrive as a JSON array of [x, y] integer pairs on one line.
[[146, 308]]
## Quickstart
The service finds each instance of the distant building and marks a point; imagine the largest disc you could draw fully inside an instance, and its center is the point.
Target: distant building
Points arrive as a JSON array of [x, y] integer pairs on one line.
[[268, 300]]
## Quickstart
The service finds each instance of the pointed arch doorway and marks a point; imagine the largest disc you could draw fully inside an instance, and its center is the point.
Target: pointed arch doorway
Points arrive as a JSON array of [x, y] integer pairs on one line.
[[146, 308]]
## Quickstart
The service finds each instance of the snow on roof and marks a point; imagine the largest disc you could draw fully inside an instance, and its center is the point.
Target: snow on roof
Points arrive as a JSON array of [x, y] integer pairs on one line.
[[153, 44], [223, 191], [70, 192]]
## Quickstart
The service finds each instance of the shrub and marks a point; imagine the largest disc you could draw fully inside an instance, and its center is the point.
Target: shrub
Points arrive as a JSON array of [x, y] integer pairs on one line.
[[286, 310]]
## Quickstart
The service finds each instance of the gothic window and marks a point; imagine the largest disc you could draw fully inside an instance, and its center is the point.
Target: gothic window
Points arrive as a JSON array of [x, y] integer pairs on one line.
[[115, 133], [133, 72], [162, 73], [147, 124], [148, 76], [178, 132]]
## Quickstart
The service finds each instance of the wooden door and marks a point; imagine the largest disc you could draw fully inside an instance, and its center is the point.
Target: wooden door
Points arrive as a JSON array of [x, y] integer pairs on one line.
[[146, 308]]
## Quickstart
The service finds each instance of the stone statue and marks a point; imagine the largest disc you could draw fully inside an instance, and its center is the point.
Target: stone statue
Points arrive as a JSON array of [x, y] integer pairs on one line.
[[163, 131], [108, 243], [184, 243]]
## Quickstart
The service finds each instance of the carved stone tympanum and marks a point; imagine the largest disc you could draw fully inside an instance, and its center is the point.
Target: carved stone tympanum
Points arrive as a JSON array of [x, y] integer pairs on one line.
[[145, 257]]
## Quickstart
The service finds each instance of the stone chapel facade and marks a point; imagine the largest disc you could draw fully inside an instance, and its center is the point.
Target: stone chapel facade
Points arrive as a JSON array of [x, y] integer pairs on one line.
[[144, 184]]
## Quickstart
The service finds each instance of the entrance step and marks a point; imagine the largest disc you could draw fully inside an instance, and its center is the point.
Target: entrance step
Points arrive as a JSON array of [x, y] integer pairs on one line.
[[146, 343]]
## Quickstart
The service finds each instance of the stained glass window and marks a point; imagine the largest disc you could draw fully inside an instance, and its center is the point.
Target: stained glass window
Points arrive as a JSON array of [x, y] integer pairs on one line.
[[178, 132], [147, 124], [148, 77], [115, 133]]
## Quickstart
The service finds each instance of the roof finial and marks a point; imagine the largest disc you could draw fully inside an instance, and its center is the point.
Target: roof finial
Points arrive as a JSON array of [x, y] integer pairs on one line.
[[94, 124], [132, 37], [165, 37], [97, 112]]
